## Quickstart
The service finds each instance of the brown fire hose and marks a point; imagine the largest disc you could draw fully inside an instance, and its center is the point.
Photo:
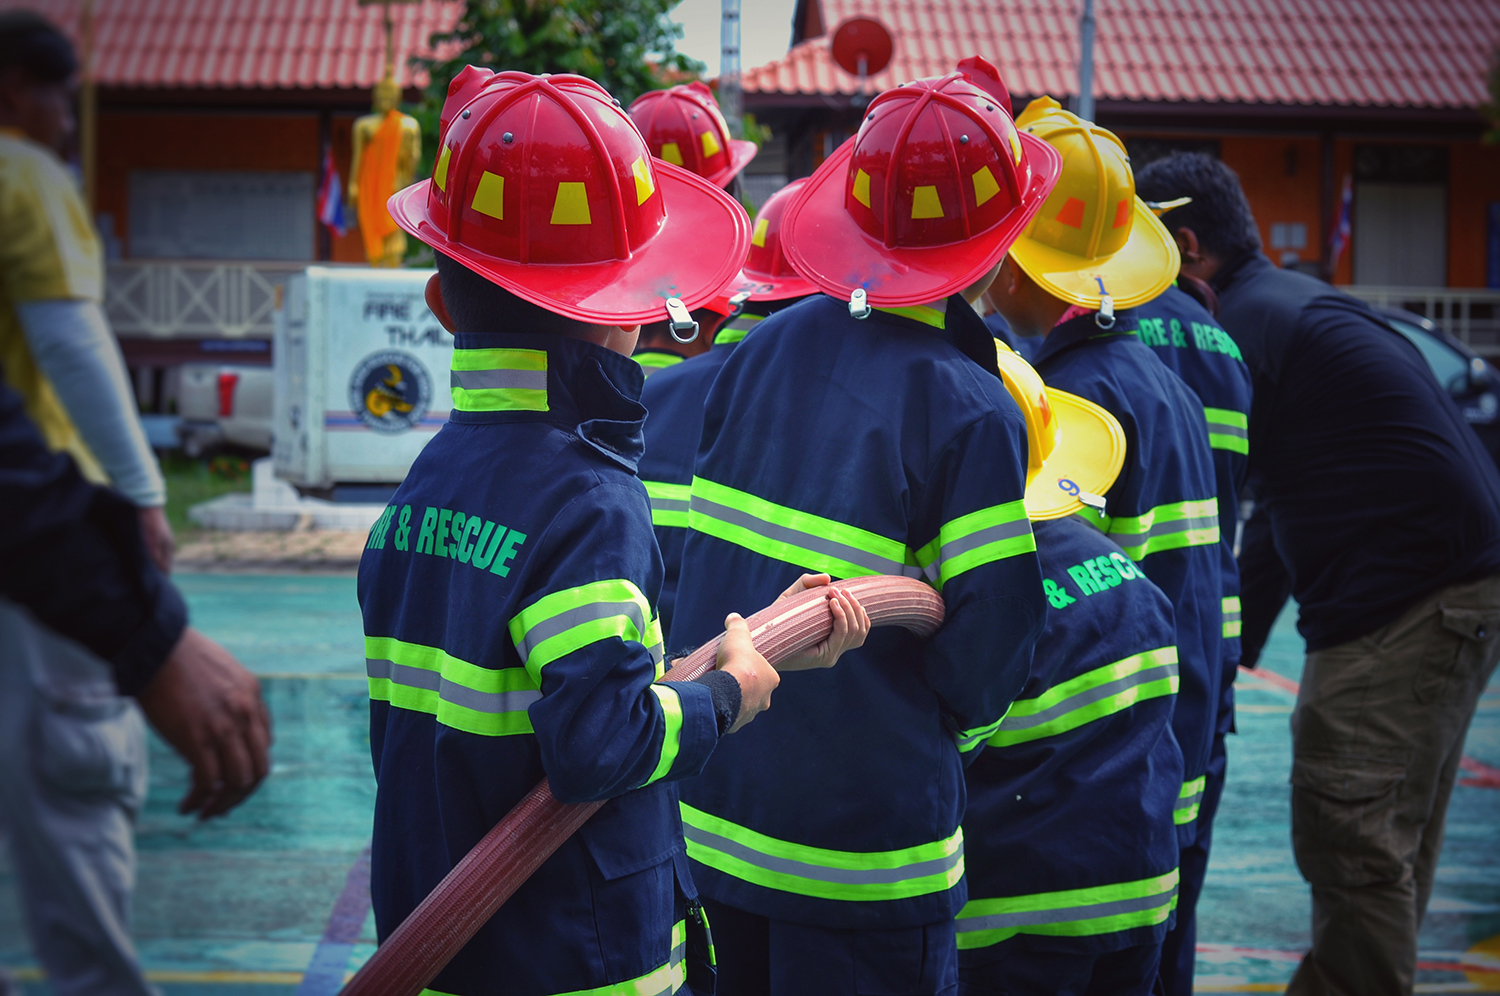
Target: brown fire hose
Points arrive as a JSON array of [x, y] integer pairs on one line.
[[518, 845]]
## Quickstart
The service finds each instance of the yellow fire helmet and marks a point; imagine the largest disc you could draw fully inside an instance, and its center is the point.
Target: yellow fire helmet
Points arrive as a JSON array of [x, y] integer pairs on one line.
[[1094, 243], [1075, 448]]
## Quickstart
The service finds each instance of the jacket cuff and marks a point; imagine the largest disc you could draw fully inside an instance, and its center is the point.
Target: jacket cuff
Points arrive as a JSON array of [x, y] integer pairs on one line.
[[725, 689], [137, 662]]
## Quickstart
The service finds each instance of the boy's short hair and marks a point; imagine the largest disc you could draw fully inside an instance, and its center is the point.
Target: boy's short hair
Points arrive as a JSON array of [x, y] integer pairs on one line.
[[33, 43], [1219, 215], [477, 305]]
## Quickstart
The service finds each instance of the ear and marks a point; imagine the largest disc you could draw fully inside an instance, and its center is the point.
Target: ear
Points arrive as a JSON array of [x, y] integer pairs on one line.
[[1187, 245], [434, 297]]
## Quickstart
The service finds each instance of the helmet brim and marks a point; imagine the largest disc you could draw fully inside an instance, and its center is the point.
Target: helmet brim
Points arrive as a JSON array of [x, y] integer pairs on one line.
[[766, 287], [1144, 267], [740, 154], [1089, 453], [826, 245], [695, 254]]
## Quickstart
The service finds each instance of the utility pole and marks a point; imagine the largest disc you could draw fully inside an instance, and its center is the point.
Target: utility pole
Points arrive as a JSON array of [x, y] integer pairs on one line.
[[729, 68], [1086, 62]]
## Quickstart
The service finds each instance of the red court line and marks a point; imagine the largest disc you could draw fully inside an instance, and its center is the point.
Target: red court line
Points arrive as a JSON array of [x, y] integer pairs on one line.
[[1485, 776]]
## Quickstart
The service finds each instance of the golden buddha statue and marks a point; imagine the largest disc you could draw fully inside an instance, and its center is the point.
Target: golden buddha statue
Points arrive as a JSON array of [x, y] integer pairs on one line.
[[387, 145]]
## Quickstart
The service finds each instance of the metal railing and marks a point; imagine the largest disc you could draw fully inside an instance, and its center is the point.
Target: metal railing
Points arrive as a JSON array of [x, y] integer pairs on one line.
[[194, 299], [1471, 315]]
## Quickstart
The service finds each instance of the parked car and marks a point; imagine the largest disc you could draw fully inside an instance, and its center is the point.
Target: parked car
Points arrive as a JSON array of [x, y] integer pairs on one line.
[[224, 404], [1470, 380]]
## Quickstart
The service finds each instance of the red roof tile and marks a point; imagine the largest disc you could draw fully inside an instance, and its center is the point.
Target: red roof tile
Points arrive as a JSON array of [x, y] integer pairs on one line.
[[259, 44], [1384, 53]]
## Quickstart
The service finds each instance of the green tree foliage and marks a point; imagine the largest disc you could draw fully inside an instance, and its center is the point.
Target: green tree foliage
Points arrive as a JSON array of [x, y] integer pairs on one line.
[[627, 46]]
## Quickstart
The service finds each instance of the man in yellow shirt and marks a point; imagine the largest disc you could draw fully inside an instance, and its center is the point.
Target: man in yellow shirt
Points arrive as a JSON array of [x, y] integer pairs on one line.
[[56, 349], [73, 763]]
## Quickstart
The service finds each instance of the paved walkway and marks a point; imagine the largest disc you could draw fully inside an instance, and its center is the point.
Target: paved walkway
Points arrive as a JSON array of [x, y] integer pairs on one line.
[[271, 900]]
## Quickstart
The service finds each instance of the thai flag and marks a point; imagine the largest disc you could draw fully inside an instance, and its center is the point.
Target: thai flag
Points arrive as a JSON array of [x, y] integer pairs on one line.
[[1338, 239], [331, 196]]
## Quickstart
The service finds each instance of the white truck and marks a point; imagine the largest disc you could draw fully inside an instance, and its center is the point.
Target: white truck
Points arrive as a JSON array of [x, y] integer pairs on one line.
[[361, 376]]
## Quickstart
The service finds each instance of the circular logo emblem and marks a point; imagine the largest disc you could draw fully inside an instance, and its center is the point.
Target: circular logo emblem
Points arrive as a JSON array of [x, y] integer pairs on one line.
[[390, 391]]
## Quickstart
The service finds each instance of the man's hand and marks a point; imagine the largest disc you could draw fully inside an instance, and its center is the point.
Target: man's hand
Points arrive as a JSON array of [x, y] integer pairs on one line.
[[851, 624], [757, 678], [208, 707], [157, 533]]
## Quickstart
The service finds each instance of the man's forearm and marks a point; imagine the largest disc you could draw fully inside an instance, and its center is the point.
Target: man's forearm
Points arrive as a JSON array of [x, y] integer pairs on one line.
[[72, 345]]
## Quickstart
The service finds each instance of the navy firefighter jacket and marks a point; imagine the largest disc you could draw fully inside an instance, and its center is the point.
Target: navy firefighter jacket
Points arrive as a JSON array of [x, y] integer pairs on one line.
[[1163, 510], [1190, 341], [674, 405], [1069, 823], [882, 446], [509, 634]]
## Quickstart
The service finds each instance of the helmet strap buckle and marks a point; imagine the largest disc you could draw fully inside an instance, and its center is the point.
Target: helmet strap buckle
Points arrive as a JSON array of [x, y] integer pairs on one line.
[[680, 321], [859, 307], [1105, 318]]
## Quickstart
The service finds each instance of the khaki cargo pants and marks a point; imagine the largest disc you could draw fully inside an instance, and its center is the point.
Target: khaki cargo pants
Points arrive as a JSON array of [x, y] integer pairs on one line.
[[1377, 734]]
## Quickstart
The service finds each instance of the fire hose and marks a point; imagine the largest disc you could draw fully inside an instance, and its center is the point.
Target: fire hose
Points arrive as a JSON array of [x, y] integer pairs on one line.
[[528, 835]]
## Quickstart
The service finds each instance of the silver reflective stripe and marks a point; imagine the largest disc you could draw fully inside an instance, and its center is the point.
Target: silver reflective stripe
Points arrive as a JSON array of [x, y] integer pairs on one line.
[[1067, 914], [1232, 615], [481, 380], [1189, 801], [1166, 529], [1142, 677], [448, 691], [962, 545], [669, 504], [795, 537], [822, 873], [564, 621], [1224, 429]]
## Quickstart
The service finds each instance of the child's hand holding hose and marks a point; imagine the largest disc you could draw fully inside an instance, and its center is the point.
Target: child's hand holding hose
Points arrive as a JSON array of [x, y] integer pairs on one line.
[[739, 658], [851, 624]]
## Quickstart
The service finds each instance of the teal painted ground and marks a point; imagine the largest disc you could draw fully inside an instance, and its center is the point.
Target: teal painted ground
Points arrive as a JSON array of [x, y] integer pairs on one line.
[[239, 905]]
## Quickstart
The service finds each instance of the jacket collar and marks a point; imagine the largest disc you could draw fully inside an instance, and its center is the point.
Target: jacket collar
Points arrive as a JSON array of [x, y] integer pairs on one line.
[[1244, 265], [955, 322], [1082, 328], [575, 385]]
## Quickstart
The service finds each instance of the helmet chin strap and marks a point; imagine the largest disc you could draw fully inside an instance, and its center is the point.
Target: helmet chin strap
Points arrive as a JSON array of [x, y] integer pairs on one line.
[[680, 320], [859, 307], [1105, 318]]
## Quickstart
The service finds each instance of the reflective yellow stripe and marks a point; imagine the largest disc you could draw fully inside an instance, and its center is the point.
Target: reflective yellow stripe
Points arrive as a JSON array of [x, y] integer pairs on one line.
[[669, 503], [1166, 527], [1104, 909], [1188, 801], [976, 539], [565, 621], [664, 981], [671, 741], [654, 362], [732, 332], [489, 702], [492, 380], [1232, 616], [1092, 695], [927, 315], [794, 537], [867, 876], [1228, 429]]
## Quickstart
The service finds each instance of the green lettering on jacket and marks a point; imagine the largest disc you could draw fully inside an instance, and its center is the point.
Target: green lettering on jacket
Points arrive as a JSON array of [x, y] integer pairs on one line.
[[445, 532]]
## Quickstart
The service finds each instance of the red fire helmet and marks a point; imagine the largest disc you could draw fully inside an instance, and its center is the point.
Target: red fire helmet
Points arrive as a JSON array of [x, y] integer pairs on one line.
[[683, 126], [544, 186], [927, 195], [768, 274]]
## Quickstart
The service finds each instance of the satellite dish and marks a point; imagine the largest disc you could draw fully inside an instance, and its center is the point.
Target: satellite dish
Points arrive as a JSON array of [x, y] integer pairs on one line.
[[862, 46]]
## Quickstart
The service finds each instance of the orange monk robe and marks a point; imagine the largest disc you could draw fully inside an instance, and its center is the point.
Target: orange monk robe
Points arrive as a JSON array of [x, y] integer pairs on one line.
[[377, 182]]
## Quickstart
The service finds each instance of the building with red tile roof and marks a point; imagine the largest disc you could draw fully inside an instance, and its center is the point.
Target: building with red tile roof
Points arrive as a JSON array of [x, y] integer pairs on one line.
[[1296, 95]]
